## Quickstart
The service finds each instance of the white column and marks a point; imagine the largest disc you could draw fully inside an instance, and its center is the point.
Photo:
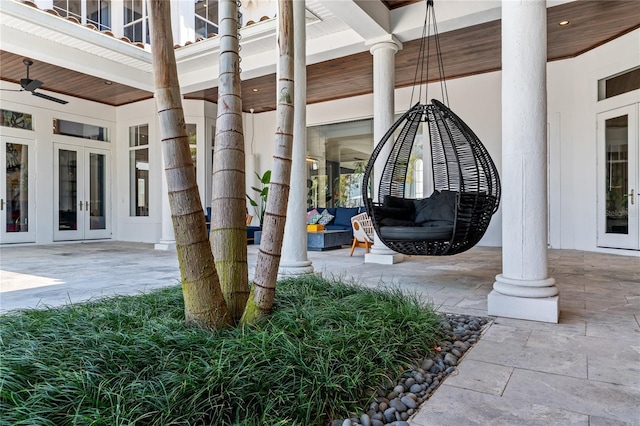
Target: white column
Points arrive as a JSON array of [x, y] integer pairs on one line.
[[167, 239], [524, 289], [383, 108], [294, 248]]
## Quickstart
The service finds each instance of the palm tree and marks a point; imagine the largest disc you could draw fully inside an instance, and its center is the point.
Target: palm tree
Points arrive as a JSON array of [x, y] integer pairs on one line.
[[204, 303], [264, 284], [228, 206]]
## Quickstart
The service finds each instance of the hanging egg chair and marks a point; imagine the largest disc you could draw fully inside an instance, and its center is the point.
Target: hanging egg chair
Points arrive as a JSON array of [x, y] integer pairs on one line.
[[464, 179]]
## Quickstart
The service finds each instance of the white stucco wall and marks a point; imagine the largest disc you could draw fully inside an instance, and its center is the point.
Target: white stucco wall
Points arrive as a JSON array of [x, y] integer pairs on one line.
[[573, 104]]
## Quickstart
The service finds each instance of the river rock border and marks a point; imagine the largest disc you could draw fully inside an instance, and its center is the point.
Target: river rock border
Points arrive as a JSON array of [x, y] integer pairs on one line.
[[393, 405]]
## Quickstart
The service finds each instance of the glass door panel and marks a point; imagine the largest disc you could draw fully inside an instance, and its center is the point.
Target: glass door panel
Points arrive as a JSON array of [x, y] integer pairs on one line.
[[68, 190], [97, 207], [16, 198], [618, 211], [81, 193], [68, 206]]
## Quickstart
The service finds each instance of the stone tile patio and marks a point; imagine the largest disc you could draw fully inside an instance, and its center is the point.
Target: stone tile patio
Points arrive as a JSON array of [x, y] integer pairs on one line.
[[583, 371]]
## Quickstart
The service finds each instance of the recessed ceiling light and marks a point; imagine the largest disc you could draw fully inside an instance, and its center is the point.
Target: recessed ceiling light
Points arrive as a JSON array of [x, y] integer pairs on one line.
[[563, 23], [108, 83], [255, 90]]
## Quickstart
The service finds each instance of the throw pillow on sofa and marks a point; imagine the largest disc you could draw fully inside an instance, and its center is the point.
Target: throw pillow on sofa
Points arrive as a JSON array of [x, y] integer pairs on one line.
[[313, 216], [344, 215], [325, 217]]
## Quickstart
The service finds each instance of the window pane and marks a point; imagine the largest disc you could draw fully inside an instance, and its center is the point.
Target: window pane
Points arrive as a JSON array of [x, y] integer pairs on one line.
[[193, 142], [17, 187], [17, 120], [134, 32], [97, 195], [98, 14], [132, 10], [139, 182], [139, 135], [80, 130], [67, 194], [337, 156], [206, 17], [68, 8], [617, 178]]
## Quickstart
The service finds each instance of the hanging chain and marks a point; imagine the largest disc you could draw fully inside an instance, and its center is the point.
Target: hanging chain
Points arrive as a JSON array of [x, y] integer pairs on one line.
[[421, 75]]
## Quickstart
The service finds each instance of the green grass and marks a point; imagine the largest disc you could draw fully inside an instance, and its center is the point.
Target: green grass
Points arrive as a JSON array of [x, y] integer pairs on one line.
[[131, 360]]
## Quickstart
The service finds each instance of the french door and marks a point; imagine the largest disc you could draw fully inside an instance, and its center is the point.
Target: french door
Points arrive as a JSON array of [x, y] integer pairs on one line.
[[81, 193], [619, 178], [17, 207]]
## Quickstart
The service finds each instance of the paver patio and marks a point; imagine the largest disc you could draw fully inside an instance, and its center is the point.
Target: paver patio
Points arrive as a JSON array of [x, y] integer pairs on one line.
[[583, 371]]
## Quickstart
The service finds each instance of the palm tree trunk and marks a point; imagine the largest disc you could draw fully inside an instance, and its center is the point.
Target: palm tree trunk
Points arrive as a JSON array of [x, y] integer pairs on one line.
[[228, 205], [264, 283], [204, 304]]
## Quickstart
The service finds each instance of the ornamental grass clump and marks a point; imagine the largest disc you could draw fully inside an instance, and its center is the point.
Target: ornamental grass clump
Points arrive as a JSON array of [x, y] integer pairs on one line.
[[132, 360]]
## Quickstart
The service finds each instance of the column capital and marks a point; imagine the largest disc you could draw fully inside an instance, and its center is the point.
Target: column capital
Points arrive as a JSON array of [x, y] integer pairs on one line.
[[387, 42]]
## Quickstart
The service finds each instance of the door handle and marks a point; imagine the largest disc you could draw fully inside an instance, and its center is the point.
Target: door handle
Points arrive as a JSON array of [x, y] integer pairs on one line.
[[1, 203], [80, 205], [631, 195], [86, 206]]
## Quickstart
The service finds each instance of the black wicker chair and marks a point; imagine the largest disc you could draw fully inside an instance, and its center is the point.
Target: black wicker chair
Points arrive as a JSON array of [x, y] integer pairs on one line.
[[463, 174], [465, 179]]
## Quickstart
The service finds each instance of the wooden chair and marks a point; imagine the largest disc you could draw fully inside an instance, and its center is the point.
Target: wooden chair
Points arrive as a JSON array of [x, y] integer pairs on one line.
[[362, 232]]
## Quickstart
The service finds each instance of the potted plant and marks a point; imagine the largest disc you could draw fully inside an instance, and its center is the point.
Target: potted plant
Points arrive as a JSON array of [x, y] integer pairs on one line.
[[260, 203]]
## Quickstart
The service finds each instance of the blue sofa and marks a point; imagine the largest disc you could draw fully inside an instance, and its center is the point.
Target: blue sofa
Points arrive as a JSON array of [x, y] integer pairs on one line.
[[341, 217]]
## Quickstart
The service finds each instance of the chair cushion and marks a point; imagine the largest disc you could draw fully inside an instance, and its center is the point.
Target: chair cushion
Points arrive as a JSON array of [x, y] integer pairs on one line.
[[397, 213], [403, 203], [416, 233], [390, 221], [439, 206]]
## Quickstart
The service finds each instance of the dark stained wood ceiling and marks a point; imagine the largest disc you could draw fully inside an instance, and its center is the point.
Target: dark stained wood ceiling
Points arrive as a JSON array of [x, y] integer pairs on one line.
[[68, 82], [467, 51]]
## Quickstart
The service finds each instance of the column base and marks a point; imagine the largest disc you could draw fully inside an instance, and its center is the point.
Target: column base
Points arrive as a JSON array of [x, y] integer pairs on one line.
[[383, 259], [544, 309], [295, 269], [165, 245]]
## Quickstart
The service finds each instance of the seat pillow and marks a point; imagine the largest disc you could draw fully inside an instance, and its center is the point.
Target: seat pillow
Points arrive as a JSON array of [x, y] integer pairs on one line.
[[403, 203], [398, 213], [439, 206], [416, 233], [389, 221]]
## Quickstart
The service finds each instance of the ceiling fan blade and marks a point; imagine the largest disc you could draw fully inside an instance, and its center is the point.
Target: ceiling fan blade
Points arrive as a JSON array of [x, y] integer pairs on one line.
[[50, 98], [30, 85]]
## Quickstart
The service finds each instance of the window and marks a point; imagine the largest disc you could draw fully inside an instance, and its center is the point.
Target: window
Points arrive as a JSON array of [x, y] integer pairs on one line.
[[337, 155], [99, 14], [17, 120], [618, 84], [206, 17], [139, 170], [96, 12], [66, 8], [193, 143], [80, 130], [136, 23]]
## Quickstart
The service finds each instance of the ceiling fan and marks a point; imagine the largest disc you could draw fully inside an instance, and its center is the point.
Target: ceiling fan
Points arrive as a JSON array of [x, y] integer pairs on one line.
[[30, 85]]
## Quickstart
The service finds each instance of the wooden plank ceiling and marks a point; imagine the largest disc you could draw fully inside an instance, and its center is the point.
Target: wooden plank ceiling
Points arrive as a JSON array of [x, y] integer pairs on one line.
[[467, 51]]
